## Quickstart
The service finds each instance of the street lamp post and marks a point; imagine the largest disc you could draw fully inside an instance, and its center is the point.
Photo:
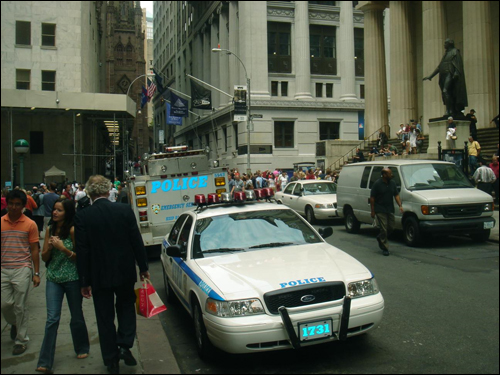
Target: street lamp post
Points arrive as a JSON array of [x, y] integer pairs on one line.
[[248, 105], [22, 147]]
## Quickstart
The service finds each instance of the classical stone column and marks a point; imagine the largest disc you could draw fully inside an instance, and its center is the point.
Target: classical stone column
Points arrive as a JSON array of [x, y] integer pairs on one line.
[[234, 64], [376, 112], [433, 37], [214, 59], [478, 60], [302, 51], [253, 46], [346, 45], [403, 85], [224, 57]]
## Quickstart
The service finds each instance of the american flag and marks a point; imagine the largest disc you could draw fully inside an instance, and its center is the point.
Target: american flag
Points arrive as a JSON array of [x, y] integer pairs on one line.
[[151, 89]]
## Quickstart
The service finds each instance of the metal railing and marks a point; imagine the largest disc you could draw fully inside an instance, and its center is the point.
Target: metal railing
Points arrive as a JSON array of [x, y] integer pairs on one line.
[[341, 161]]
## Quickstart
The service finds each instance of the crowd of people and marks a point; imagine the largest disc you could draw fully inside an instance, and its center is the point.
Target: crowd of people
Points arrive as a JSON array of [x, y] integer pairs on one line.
[[92, 253], [276, 180]]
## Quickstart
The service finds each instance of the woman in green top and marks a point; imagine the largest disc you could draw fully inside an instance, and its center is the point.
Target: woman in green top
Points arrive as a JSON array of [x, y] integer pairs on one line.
[[62, 278]]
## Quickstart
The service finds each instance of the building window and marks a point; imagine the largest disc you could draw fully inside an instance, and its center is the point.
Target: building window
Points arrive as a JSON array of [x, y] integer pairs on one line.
[[361, 91], [329, 90], [284, 88], [224, 132], [319, 90], [359, 54], [48, 80], [23, 33], [279, 50], [23, 78], [235, 135], [36, 142], [323, 50], [48, 34], [283, 134], [329, 130], [274, 88]]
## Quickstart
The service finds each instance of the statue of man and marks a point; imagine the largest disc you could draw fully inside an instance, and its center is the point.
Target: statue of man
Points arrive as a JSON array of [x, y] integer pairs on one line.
[[451, 80]]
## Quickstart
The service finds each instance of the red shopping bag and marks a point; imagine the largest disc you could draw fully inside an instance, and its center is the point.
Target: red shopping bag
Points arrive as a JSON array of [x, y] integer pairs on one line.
[[148, 303]]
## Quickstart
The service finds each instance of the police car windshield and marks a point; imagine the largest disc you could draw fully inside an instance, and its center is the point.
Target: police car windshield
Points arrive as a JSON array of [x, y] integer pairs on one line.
[[434, 176], [251, 231]]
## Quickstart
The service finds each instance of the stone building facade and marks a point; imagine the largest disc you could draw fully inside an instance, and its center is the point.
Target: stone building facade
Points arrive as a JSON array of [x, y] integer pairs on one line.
[[323, 74]]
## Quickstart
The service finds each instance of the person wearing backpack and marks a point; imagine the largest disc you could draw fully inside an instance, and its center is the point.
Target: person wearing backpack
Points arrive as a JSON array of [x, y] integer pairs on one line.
[[81, 198]]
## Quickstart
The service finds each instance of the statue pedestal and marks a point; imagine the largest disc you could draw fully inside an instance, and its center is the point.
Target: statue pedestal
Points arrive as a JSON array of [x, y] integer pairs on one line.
[[437, 132]]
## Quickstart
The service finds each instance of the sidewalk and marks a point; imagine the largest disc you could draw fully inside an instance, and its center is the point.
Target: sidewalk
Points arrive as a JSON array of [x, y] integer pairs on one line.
[[151, 348]]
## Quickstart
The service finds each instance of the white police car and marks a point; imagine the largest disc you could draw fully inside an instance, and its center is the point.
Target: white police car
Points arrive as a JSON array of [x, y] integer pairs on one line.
[[258, 277]]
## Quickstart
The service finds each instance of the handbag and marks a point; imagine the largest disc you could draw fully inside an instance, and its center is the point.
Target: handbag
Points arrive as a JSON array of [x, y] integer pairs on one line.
[[148, 302]]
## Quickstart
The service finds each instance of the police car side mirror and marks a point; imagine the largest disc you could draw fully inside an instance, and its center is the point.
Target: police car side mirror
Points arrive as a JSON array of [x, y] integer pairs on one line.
[[325, 232], [176, 251]]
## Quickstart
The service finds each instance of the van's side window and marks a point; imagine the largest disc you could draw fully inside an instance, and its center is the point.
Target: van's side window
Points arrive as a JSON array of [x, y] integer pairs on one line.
[[364, 178], [376, 174], [396, 177]]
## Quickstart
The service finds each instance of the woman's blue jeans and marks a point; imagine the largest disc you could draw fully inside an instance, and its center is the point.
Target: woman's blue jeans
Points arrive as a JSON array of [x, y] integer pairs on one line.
[[55, 295]]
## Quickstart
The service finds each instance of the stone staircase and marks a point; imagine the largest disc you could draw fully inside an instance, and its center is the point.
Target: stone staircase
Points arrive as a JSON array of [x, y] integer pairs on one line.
[[488, 139]]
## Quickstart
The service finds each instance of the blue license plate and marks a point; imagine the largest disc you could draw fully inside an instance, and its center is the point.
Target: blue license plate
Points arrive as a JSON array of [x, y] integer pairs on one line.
[[315, 330]]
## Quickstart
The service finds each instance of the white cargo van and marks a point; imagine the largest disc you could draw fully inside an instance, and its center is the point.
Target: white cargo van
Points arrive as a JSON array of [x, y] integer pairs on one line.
[[437, 199]]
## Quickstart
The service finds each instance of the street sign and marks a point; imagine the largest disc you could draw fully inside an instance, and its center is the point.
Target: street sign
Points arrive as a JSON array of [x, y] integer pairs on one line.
[[240, 103], [256, 116]]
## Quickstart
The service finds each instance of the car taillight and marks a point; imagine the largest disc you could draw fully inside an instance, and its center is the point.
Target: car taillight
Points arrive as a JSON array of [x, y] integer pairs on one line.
[[142, 202], [143, 216], [220, 181], [140, 190]]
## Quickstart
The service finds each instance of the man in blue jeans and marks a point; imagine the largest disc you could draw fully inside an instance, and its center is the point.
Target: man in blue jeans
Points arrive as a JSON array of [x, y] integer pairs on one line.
[[382, 196]]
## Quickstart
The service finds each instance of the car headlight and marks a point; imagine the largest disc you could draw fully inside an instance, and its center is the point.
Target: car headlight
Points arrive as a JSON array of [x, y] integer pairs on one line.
[[362, 288], [488, 207], [232, 309], [329, 205], [430, 210]]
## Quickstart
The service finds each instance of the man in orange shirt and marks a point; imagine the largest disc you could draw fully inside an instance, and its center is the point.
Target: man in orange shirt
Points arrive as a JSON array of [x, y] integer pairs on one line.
[[20, 254]]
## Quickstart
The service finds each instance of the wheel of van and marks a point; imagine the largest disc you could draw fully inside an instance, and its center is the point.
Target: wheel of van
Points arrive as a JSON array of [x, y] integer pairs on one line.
[[311, 219], [203, 344], [169, 292], [411, 232], [482, 236], [351, 223]]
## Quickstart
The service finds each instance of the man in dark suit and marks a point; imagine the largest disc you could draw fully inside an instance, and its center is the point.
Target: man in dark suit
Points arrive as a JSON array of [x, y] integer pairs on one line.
[[109, 244]]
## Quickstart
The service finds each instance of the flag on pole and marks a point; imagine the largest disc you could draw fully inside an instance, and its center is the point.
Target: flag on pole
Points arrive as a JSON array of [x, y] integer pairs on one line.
[[201, 98], [151, 89], [159, 82], [144, 99], [179, 106]]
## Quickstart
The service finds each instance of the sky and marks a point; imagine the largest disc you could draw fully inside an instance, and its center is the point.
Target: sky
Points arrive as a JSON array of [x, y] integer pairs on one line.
[[149, 7]]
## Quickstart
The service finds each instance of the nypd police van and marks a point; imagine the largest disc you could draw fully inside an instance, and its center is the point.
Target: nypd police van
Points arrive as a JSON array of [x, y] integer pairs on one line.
[[257, 277], [166, 187]]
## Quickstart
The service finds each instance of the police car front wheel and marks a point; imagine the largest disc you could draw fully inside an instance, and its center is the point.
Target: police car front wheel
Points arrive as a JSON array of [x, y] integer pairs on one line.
[[204, 346]]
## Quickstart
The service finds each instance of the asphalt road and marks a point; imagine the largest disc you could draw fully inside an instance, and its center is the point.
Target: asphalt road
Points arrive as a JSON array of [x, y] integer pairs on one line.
[[441, 315]]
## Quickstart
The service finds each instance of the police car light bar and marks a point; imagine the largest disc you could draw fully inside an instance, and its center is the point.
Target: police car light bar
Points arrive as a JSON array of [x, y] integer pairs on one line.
[[176, 149], [200, 200], [213, 198], [240, 196]]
